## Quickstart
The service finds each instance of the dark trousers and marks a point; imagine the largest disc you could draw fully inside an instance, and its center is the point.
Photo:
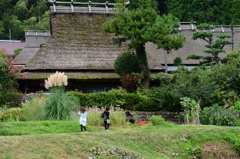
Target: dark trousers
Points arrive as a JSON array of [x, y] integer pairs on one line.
[[83, 127], [106, 125]]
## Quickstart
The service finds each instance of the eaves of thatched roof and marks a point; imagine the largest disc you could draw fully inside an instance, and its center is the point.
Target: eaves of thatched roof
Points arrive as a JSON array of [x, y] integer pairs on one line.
[[78, 75]]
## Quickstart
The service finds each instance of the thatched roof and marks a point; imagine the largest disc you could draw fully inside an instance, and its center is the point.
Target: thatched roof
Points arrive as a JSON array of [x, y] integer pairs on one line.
[[25, 55], [190, 47], [78, 42], [33, 41]]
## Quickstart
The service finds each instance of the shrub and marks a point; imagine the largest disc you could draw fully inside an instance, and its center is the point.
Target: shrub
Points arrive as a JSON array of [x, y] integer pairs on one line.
[[131, 82], [127, 63], [140, 101], [33, 109], [237, 106], [18, 51], [8, 83], [217, 115], [156, 120], [11, 114]]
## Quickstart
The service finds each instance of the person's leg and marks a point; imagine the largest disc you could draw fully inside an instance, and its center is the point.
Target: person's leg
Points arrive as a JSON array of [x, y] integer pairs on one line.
[[105, 125], [108, 125], [81, 127], [84, 127]]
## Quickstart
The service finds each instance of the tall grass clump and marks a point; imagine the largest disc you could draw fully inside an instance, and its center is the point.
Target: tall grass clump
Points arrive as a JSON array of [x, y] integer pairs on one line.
[[32, 109], [59, 105], [117, 116]]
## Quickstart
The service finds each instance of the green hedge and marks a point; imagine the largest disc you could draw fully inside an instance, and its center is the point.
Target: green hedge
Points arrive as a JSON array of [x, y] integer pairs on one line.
[[138, 101]]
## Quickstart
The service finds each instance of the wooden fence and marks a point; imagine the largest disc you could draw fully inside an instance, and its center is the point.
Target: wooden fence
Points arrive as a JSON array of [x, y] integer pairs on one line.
[[168, 116]]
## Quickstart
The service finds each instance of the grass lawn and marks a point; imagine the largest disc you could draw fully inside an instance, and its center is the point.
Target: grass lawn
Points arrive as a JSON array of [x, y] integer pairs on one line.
[[62, 139]]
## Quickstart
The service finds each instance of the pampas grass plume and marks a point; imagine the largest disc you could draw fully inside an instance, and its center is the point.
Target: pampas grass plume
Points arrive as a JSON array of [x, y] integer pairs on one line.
[[56, 79]]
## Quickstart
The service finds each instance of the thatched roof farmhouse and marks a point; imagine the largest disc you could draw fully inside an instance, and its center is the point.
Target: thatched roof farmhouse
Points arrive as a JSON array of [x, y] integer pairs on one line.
[[80, 48]]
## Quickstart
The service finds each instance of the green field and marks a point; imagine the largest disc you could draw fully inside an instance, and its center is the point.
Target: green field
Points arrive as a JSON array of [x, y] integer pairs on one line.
[[62, 139]]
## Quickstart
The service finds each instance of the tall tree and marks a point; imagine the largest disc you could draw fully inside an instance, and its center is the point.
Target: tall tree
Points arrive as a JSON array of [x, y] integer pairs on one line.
[[20, 10], [141, 25]]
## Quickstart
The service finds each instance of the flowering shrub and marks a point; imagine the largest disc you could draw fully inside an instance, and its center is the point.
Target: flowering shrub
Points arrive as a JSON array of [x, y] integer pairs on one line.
[[7, 65], [8, 75]]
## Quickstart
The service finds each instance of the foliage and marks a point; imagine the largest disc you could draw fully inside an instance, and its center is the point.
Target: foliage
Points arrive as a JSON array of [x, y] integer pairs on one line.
[[126, 63], [142, 100], [205, 11], [8, 83], [1, 27], [131, 82], [117, 116], [11, 114], [191, 110], [195, 84], [156, 120], [33, 109], [59, 105], [213, 47], [217, 115], [177, 61], [237, 107], [21, 10], [18, 50], [14, 13], [141, 25]]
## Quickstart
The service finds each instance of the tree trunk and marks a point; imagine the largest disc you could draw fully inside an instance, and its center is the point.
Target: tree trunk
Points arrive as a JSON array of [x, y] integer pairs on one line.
[[142, 59]]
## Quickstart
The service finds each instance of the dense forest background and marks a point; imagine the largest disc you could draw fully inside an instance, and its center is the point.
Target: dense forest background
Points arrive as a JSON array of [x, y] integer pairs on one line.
[[16, 16]]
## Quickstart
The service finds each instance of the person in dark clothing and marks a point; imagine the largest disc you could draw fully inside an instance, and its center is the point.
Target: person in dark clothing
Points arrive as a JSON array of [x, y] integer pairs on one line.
[[130, 117], [106, 119]]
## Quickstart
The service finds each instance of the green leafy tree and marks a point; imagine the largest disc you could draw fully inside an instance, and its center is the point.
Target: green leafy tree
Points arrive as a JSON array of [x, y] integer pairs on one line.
[[235, 16], [30, 24], [205, 11], [213, 47], [20, 10], [16, 28], [5, 7], [139, 26], [44, 23]]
